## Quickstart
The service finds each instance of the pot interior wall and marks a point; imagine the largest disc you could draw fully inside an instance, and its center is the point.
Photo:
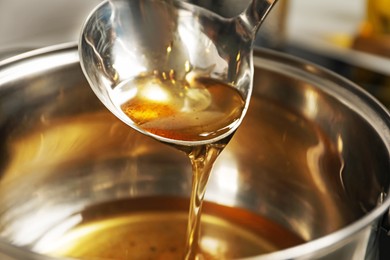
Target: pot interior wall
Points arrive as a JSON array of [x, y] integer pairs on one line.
[[302, 156]]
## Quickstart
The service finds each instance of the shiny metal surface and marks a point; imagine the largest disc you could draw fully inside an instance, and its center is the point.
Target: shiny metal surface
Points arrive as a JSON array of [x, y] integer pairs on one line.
[[312, 154], [123, 39]]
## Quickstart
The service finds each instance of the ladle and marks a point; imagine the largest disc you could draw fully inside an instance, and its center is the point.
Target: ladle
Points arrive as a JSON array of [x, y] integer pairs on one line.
[[123, 39]]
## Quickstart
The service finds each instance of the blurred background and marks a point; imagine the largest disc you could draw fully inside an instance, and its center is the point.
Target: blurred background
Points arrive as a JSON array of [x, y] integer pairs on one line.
[[317, 23], [348, 36]]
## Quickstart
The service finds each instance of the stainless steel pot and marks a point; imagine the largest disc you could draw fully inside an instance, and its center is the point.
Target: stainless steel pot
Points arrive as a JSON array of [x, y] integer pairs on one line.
[[312, 154]]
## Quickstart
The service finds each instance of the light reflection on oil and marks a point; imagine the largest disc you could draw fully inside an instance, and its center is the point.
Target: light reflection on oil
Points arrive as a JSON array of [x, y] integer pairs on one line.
[[311, 108]]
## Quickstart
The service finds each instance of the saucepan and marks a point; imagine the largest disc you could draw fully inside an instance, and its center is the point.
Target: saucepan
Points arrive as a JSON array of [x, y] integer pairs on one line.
[[312, 157]]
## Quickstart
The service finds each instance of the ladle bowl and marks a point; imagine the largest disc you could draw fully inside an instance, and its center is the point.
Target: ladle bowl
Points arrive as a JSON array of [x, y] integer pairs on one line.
[[123, 39]]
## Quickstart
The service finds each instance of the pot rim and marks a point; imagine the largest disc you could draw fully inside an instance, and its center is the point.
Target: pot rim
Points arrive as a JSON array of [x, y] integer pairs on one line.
[[262, 56]]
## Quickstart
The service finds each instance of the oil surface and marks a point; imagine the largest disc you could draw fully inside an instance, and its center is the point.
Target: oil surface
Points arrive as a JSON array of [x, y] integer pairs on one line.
[[154, 228]]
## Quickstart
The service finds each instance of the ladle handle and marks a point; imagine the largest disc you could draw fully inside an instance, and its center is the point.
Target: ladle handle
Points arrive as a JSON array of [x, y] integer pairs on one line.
[[255, 13]]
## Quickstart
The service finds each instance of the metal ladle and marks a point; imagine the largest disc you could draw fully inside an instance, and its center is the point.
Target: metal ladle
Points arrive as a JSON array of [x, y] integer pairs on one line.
[[122, 39]]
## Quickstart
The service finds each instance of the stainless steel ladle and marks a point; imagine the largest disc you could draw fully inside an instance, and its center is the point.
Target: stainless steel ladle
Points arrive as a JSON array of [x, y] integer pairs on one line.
[[122, 39]]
